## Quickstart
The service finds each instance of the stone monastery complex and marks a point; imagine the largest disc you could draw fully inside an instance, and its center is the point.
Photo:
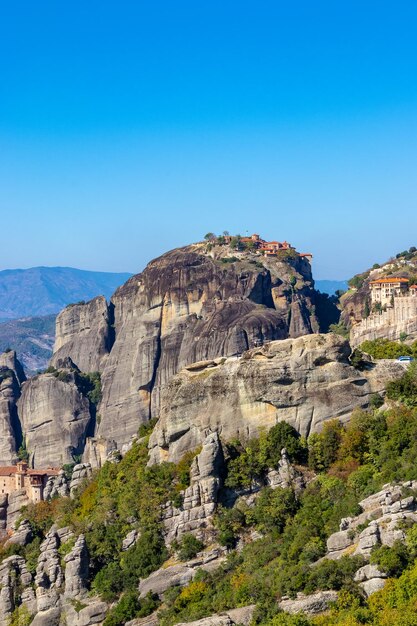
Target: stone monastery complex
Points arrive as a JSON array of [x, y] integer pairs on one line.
[[267, 248], [19, 477]]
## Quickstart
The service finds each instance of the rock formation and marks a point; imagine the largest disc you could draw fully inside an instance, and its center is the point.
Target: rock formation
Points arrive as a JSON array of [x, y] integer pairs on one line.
[[84, 332], [385, 515], [391, 324], [11, 377], [186, 306], [55, 417], [200, 498], [303, 381]]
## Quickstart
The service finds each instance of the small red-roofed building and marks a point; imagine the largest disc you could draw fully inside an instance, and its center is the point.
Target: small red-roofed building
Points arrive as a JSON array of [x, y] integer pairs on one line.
[[384, 289], [19, 476]]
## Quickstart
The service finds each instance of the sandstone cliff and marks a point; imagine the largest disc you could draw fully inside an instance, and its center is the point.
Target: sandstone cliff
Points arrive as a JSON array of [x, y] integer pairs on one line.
[[84, 333], [187, 306], [54, 417], [11, 376], [303, 381]]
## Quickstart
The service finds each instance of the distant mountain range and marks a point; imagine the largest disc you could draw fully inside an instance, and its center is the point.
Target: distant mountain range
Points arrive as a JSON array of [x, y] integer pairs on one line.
[[32, 338], [30, 300], [40, 291], [330, 286]]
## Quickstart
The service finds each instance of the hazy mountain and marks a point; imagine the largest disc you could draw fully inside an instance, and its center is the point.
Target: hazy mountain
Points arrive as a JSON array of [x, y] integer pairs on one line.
[[32, 338], [39, 291], [330, 286]]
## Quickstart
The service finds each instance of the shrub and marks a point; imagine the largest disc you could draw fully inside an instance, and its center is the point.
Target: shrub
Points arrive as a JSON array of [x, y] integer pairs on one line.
[[392, 561], [188, 547]]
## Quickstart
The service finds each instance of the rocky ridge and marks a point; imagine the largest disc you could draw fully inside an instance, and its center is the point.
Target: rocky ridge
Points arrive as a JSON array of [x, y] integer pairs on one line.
[[303, 381]]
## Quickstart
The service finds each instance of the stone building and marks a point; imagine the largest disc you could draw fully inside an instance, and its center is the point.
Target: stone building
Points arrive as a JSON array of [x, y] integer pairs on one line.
[[17, 477], [383, 290]]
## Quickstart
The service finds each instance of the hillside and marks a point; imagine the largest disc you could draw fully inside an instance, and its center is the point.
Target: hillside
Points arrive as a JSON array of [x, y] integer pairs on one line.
[[246, 531], [32, 338], [356, 301], [40, 291], [198, 448]]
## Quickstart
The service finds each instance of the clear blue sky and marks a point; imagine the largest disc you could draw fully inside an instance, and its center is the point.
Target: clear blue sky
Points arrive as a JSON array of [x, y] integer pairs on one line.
[[129, 128]]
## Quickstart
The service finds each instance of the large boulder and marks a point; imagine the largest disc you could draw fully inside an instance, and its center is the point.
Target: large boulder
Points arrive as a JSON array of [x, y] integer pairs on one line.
[[303, 381], [55, 418]]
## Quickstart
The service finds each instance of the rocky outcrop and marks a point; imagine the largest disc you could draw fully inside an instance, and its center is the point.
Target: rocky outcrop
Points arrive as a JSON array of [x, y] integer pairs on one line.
[[57, 594], [397, 320], [22, 535], [186, 306], [77, 569], [15, 581], [200, 498], [15, 502], [303, 381], [11, 377], [163, 579], [382, 521], [80, 473], [56, 486], [242, 616], [55, 417], [180, 574], [84, 333], [310, 604]]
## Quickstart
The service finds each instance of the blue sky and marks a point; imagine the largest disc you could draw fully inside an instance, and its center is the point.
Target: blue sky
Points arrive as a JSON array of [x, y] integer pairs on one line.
[[130, 128]]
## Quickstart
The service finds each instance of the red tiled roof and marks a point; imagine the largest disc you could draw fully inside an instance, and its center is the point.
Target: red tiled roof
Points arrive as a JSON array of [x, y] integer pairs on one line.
[[413, 286], [51, 471], [388, 280], [8, 470]]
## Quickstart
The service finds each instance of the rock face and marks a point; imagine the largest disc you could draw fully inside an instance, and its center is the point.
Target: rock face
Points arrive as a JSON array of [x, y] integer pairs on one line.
[[311, 604], [76, 570], [303, 381], [186, 306], [11, 377], [242, 616], [84, 333], [51, 595], [200, 498], [385, 515], [390, 324], [55, 417]]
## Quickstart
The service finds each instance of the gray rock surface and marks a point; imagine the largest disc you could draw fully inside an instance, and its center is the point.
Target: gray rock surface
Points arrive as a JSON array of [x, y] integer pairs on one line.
[[77, 569], [56, 486], [161, 580], [55, 417], [386, 513], [93, 612], [84, 333], [49, 577], [310, 604], [11, 377], [188, 306], [14, 577], [16, 501], [81, 472], [21, 536], [130, 539], [3, 514], [200, 498], [303, 381]]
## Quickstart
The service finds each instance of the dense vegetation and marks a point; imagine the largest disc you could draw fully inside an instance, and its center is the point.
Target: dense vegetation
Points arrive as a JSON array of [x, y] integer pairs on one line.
[[340, 466], [386, 349]]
